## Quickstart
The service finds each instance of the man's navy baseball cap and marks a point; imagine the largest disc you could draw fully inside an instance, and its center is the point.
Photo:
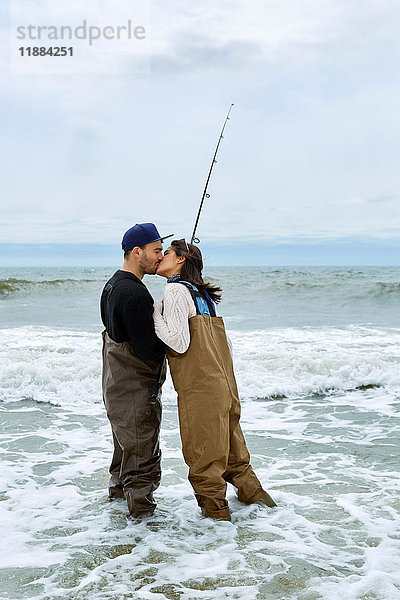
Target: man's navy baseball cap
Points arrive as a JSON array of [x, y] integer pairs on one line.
[[140, 235]]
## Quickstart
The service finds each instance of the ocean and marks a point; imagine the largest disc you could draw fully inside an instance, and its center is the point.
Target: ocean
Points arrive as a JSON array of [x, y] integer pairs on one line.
[[317, 359]]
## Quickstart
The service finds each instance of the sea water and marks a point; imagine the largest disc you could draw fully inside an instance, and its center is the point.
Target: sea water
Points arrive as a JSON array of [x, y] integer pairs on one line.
[[317, 359]]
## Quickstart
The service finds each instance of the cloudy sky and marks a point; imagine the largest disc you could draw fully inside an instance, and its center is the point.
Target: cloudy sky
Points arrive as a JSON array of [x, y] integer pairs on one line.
[[124, 130]]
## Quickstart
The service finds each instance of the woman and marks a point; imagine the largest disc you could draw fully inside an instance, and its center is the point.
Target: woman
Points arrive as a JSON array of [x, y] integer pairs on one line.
[[202, 372]]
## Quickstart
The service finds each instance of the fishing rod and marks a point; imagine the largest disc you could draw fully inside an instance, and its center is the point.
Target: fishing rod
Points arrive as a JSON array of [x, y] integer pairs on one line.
[[194, 239]]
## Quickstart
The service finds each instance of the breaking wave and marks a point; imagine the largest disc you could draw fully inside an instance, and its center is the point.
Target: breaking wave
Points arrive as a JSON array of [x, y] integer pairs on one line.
[[12, 285]]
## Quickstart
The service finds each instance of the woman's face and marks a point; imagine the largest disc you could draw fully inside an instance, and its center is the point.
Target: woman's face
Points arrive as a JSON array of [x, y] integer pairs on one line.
[[171, 264]]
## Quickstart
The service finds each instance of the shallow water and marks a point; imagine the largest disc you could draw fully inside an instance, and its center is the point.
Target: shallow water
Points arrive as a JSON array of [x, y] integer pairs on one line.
[[320, 411], [335, 531]]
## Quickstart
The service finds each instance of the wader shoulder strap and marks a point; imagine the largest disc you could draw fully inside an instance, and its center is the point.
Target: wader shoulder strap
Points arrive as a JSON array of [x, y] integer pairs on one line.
[[204, 305]]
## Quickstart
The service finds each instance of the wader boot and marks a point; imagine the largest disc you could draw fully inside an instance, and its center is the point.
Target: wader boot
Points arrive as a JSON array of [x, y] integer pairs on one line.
[[209, 410], [139, 506], [128, 383]]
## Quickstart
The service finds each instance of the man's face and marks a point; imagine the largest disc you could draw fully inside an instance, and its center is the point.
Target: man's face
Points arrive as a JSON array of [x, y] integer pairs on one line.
[[151, 257]]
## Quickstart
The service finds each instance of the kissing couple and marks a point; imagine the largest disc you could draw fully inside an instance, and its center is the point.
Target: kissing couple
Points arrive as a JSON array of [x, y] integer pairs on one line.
[[185, 329]]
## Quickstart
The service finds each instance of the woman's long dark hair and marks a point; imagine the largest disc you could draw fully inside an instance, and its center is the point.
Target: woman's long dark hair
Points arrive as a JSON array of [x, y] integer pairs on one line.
[[193, 267]]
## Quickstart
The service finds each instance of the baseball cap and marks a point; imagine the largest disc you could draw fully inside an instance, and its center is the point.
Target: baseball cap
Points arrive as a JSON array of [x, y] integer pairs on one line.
[[141, 234]]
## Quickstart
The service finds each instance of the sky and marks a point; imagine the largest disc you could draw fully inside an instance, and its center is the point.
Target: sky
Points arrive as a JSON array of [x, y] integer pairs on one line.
[[124, 131]]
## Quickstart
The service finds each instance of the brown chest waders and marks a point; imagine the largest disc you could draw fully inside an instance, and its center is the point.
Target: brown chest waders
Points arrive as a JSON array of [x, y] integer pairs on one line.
[[209, 410], [128, 383]]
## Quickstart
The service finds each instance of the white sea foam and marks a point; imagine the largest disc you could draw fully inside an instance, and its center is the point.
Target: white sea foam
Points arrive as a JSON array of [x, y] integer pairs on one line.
[[304, 361], [63, 367]]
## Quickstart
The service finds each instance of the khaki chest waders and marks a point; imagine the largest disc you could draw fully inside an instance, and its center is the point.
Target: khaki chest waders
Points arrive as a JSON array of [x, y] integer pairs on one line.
[[209, 411], [128, 383]]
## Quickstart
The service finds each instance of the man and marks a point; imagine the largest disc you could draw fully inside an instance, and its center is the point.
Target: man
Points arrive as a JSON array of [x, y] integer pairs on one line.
[[133, 372]]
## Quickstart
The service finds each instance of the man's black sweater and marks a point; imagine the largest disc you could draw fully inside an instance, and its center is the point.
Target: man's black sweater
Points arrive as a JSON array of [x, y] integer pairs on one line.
[[127, 313]]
